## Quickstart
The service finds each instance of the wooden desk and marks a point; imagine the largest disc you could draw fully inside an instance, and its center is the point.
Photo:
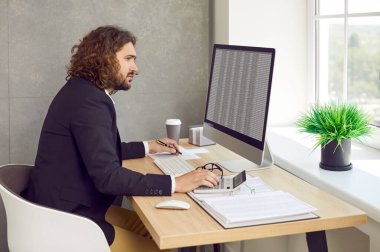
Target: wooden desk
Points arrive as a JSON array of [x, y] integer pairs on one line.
[[193, 227]]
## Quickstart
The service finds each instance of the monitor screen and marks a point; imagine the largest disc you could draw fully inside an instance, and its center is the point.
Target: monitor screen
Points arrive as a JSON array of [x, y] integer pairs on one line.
[[238, 98]]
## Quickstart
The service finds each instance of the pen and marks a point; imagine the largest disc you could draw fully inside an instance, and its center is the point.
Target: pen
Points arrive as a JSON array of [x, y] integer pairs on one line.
[[164, 144]]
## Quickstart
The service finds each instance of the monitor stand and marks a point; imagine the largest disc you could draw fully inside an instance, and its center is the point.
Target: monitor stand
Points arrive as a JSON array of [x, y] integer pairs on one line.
[[243, 164]]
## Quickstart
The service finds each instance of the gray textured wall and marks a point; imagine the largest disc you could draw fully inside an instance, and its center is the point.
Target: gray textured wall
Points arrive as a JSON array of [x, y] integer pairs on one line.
[[35, 42]]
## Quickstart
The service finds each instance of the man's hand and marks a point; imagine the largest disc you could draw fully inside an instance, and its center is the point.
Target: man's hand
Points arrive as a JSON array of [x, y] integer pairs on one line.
[[172, 146], [194, 179]]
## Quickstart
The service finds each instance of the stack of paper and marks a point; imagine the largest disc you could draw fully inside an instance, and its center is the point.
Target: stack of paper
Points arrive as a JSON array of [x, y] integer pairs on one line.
[[249, 207]]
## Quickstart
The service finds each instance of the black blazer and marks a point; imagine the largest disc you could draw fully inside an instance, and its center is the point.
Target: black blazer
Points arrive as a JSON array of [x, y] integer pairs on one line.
[[78, 163]]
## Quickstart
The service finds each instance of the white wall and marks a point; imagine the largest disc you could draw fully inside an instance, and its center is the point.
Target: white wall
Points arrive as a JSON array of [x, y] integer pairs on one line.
[[283, 26]]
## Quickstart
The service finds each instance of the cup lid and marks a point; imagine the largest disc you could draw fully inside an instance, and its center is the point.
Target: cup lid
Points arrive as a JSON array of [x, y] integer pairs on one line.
[[173, 122]]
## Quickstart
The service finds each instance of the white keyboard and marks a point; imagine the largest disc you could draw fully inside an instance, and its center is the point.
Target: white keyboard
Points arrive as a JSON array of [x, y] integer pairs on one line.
[[173, 165]]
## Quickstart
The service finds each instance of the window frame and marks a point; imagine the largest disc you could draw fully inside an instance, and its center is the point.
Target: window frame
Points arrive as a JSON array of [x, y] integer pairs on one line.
[[313, 58]]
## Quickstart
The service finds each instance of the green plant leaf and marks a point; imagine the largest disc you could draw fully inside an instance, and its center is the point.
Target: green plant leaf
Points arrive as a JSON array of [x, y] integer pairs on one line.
[[334, 121]]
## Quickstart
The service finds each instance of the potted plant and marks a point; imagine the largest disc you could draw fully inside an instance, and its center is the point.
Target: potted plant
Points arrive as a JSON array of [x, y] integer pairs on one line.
[[334, 125]]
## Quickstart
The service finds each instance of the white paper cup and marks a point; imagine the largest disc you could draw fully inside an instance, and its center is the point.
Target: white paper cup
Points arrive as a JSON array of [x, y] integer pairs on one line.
[[173, 129]]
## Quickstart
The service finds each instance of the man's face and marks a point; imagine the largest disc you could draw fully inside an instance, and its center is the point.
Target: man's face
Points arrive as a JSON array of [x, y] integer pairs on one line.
[[126, 57]]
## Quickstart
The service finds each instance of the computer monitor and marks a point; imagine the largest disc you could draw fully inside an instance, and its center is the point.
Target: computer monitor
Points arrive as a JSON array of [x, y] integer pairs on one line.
[[238, 103]]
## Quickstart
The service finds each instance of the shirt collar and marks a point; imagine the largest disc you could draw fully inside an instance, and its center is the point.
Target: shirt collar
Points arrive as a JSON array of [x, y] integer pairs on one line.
[[109, 96]]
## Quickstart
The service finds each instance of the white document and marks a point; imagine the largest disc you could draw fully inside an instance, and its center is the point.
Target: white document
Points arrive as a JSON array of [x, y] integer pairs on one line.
[[261, 206], [187, 154], [196, 150], [251, 186], [256, 203]]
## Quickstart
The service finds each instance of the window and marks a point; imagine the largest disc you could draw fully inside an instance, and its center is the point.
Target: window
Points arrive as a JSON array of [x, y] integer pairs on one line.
[[347, 52]]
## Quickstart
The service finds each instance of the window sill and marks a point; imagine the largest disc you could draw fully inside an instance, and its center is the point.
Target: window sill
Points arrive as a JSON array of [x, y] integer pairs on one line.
[[360, 186]]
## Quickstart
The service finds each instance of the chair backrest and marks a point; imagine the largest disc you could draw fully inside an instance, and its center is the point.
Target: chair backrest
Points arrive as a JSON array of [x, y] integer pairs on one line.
[[34, 228]]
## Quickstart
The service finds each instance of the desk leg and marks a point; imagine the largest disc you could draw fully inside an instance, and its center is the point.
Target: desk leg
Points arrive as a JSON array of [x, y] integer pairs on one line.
[[216, 248], [188, 249], [316, 241]]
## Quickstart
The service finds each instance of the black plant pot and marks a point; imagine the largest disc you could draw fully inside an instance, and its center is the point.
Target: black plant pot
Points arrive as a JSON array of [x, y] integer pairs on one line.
[[338, 160]]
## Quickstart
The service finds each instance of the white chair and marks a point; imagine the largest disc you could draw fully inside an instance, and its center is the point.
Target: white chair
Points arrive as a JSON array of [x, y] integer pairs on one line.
[[34, 228]]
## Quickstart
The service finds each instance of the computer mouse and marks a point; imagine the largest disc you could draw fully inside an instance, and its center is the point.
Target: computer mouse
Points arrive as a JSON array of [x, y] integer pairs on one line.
[[173, 204]]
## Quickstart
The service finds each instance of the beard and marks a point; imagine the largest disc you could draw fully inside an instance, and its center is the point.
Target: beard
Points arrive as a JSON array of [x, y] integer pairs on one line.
[[123, 82]]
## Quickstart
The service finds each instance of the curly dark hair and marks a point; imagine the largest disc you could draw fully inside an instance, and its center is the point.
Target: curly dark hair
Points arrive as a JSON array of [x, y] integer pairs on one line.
[[94, 58]]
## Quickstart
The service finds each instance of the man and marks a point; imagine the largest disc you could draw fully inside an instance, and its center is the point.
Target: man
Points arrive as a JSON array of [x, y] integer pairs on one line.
[[78, 163]]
